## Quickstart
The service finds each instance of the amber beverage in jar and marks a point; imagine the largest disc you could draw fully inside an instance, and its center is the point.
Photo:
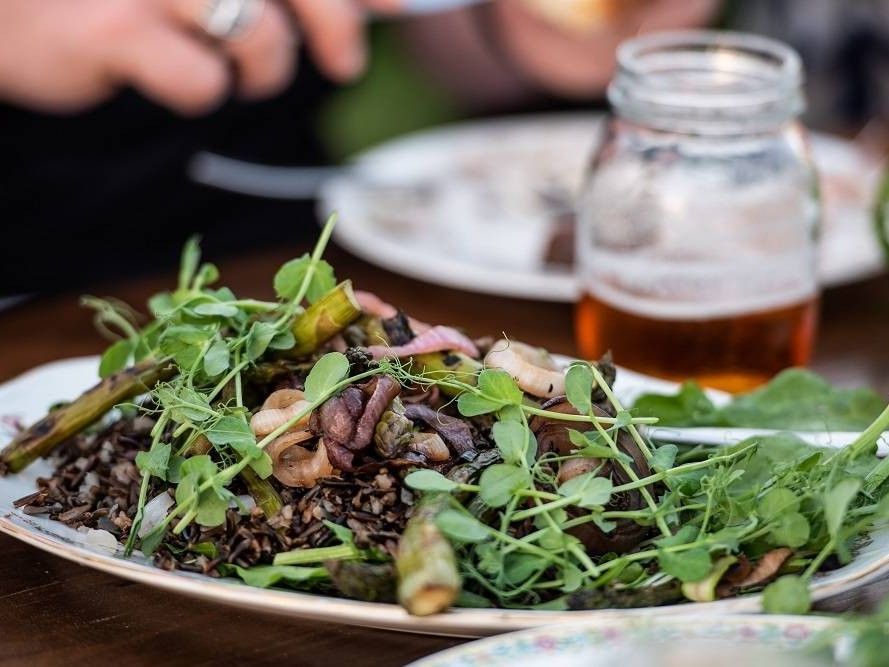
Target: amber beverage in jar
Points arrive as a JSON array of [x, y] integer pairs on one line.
[[733, 353], [697, 223]]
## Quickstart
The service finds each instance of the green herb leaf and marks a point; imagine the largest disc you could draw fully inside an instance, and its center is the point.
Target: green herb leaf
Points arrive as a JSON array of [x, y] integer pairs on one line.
[[461, 527], [664, 457], [328, 371], [290, 277], [429, 480], [787, 595], [343, 534], [500, 386], [472, 405], [233, 430], [776, 502], [579, 387], [214, 309], [115, 358], [185, 343], [691, 565], [790, 529], [500, 481], [185, 404], [265, 576], [217, 359], [154, 462], [258, 339], [188, 263], [594, 491], [515, 441], [283, 341], [837, 503], [688, 407]]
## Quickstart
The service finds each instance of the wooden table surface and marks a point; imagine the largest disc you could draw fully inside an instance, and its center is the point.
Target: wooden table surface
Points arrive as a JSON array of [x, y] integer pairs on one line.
[[53, 612]]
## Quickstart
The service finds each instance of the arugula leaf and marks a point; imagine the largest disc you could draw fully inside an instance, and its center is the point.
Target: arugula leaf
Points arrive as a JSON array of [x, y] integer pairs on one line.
[[688, 407], [461, 527], [290, 277], [796, 399], [328, 371], [499, 481], [154, 462], [787, 595], [115, 358], [579, 387]]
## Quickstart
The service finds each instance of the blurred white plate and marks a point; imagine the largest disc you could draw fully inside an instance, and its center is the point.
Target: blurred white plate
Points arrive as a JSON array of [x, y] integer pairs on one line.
[[470, 205], [653, 642], [28, 396]]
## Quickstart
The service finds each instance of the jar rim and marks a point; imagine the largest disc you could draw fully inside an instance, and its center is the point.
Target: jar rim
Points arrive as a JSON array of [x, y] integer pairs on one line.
[[707, 80]]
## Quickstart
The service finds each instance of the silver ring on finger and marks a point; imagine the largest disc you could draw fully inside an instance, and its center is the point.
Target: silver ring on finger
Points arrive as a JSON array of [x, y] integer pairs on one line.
[[227, 19]]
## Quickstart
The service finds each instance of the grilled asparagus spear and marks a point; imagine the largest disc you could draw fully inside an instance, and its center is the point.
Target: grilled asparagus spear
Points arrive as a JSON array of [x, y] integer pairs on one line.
[[428, 579]]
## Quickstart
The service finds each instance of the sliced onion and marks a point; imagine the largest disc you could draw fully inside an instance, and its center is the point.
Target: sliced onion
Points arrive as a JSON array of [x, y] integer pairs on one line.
[[531, 367], [436, 339], [296, 466], [283, 398], [154, 512], [266, 421], [431, 446]]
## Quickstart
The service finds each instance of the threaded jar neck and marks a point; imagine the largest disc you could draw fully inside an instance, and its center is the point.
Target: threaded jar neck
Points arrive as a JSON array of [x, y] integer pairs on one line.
[[707, 82]]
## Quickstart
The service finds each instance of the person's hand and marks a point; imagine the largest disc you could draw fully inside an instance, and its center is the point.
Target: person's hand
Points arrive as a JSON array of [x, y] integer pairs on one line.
[[569, 47], [66, 55]]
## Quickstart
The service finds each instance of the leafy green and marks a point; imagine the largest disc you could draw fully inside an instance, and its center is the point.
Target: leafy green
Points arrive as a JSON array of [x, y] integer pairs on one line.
[[690, 565], [266, 576], [217, 359], [579, 387], [290, 277], [461, 527], [594, 491], [515, 441], [115, 358], [496, 390], [429, 480], [499, 481], [327, 372], [259, 338], [155, 461], [795, 399], [787, 595]]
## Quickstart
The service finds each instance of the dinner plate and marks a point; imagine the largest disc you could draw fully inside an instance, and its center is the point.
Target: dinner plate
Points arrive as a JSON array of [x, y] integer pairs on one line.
[[651, 641], [473, 205], [26, 398]]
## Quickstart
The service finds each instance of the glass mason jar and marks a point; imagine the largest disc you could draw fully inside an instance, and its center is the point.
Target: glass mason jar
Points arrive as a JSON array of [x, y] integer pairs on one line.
[[698, 217]]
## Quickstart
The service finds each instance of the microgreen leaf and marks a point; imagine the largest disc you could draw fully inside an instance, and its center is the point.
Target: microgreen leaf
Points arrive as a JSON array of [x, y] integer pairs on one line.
[[500, 481], [496, 388], [343, 534], [115, 358], [327, 372], [185, 404], [515, 441], [283, 341], [215, 309], [594, 491], [579, 387], [461, 527], [188, 263], [154, 462], [429, 480], [837, 503], [787, 595], [690, 565], [265, 576], [217, 359], [258, 339], [590, 445], [776, 502], [185, 343], [664, 457], [790, 529], [290, 277]]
